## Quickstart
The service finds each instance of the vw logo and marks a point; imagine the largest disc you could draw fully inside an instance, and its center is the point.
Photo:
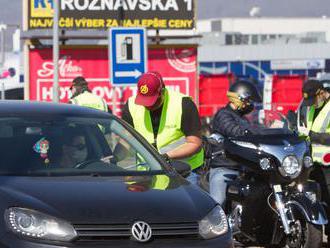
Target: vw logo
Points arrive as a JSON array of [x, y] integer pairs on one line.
[[141, 231]]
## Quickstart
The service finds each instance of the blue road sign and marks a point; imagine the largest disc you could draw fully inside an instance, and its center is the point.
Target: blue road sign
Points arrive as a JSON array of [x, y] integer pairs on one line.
[[127, 55]]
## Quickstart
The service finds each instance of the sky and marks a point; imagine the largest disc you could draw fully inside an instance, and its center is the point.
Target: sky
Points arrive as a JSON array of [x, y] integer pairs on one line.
[[11, 10], [269, 8]]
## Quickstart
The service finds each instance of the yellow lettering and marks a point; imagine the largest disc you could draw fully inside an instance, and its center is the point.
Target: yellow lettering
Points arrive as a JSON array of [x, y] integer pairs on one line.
[[66, 22], [162, 23], [61, 23], [144, 22], [41, 23], [128, 23], [180, 23], [78, 22], [112, 23]]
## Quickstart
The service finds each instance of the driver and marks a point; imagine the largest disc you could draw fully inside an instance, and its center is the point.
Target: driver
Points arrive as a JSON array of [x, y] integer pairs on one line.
[[74, 150], [230, 122]]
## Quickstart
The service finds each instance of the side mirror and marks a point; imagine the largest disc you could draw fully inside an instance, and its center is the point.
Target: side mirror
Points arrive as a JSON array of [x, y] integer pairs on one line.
[[181, 167]]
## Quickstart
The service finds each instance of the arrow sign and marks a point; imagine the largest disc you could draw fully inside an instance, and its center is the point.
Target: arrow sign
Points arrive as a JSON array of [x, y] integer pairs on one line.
[[127, 55], [136, 73]]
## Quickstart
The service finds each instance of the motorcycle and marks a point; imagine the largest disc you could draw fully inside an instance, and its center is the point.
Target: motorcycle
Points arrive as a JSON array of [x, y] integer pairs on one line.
[[270, 203]]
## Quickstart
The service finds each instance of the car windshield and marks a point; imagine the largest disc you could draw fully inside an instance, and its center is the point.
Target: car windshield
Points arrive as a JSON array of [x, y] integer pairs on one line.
[[72, 146]]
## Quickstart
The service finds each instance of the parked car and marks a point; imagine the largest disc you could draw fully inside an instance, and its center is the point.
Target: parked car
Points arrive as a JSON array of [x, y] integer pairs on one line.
[[77, 177]]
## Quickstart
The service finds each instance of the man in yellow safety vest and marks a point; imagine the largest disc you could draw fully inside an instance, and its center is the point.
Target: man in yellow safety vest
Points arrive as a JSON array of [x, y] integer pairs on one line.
[[81, 95], [168, 120], [318, 132], [318, 120]]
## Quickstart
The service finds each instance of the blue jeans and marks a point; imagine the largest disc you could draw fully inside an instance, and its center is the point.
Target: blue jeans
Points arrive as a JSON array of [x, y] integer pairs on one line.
[[193, 178], [218, 182]]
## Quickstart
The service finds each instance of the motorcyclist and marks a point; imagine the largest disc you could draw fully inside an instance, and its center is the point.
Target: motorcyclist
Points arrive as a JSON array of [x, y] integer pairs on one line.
[[230, 121], [316, 97]]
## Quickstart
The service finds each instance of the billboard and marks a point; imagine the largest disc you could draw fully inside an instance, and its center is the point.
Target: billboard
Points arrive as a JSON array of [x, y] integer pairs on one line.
[[176, 65], [103, 14]]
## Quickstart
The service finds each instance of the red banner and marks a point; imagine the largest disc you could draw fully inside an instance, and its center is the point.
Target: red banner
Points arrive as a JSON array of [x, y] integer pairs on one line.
[[176, 65]]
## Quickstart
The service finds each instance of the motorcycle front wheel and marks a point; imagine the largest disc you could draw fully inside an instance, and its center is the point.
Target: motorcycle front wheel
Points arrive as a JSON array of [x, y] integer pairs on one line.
[[303, 235]]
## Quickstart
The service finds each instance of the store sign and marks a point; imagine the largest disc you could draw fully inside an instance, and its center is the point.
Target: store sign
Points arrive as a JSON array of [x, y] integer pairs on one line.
[[176, 65], [103, 14], [303, 64]]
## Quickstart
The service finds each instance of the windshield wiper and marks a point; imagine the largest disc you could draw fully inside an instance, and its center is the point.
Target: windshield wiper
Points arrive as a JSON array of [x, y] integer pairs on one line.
[[107, 159]]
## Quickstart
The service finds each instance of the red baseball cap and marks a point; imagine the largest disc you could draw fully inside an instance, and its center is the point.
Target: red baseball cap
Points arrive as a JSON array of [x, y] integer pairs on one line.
[[150, 85]]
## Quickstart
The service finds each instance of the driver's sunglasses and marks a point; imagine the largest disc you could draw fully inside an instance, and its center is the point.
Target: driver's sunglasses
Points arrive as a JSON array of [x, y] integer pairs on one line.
[[246, 99], [79, 146]]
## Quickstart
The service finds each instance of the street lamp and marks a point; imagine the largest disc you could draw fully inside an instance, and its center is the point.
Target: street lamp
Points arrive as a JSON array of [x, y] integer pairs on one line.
[[3, 27]]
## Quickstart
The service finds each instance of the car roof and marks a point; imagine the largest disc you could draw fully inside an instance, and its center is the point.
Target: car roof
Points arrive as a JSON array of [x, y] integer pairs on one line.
[[34, 108]]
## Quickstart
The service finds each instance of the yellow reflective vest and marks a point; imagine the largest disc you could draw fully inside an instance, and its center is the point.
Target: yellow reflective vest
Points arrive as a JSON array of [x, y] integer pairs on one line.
[[170, 135], [320, 125], [90, 100]]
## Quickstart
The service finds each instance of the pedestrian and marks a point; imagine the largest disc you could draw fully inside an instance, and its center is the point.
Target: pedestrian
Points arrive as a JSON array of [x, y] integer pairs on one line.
[[168, 120], [81, 95], [316, 97]]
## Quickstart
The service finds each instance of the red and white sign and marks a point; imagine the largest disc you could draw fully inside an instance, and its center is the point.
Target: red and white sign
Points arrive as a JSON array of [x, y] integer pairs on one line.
[[176, 65]]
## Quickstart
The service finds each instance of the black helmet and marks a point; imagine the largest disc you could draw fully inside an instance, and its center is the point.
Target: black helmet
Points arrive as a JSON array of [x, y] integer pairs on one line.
[[244, 91], [243, 94]]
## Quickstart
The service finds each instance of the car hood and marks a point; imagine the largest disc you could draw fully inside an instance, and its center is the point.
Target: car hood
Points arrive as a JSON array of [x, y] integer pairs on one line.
[[83, 200]]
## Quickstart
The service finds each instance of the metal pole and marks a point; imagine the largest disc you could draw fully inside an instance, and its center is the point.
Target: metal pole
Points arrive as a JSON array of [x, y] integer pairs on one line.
[[2, 56], [114, 88], [55, 50], [114, 100], [2, 46], [3, 97]]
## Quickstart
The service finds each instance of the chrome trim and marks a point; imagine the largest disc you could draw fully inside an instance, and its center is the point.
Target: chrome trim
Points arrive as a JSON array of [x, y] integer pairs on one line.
[[282, 211]]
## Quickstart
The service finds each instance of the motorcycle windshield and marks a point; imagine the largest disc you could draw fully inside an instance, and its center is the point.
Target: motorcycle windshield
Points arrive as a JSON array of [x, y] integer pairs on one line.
[[269, 122]]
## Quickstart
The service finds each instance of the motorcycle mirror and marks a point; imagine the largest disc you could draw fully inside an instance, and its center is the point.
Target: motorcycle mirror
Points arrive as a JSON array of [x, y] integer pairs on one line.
[[181, 167]]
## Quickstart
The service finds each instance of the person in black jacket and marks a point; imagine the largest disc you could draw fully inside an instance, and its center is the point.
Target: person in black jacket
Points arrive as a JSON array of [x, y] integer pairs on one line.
[[230, 122]]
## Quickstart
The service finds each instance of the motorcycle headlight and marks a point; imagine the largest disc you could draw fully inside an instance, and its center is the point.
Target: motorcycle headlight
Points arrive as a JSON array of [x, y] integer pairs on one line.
[[290, 167], [214, 224], [33, 224]]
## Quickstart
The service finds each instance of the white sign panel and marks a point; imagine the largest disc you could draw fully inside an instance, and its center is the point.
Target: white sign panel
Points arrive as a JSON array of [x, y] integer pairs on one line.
[[305, 64], [127, 54]]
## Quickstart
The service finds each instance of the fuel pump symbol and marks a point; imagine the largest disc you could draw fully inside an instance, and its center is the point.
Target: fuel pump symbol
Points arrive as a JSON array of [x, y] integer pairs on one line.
[[127, 48]]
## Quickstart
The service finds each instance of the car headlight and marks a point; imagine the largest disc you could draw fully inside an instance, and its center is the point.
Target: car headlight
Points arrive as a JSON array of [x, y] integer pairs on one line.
[[214, 224], [33, 224], [290, 167]]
